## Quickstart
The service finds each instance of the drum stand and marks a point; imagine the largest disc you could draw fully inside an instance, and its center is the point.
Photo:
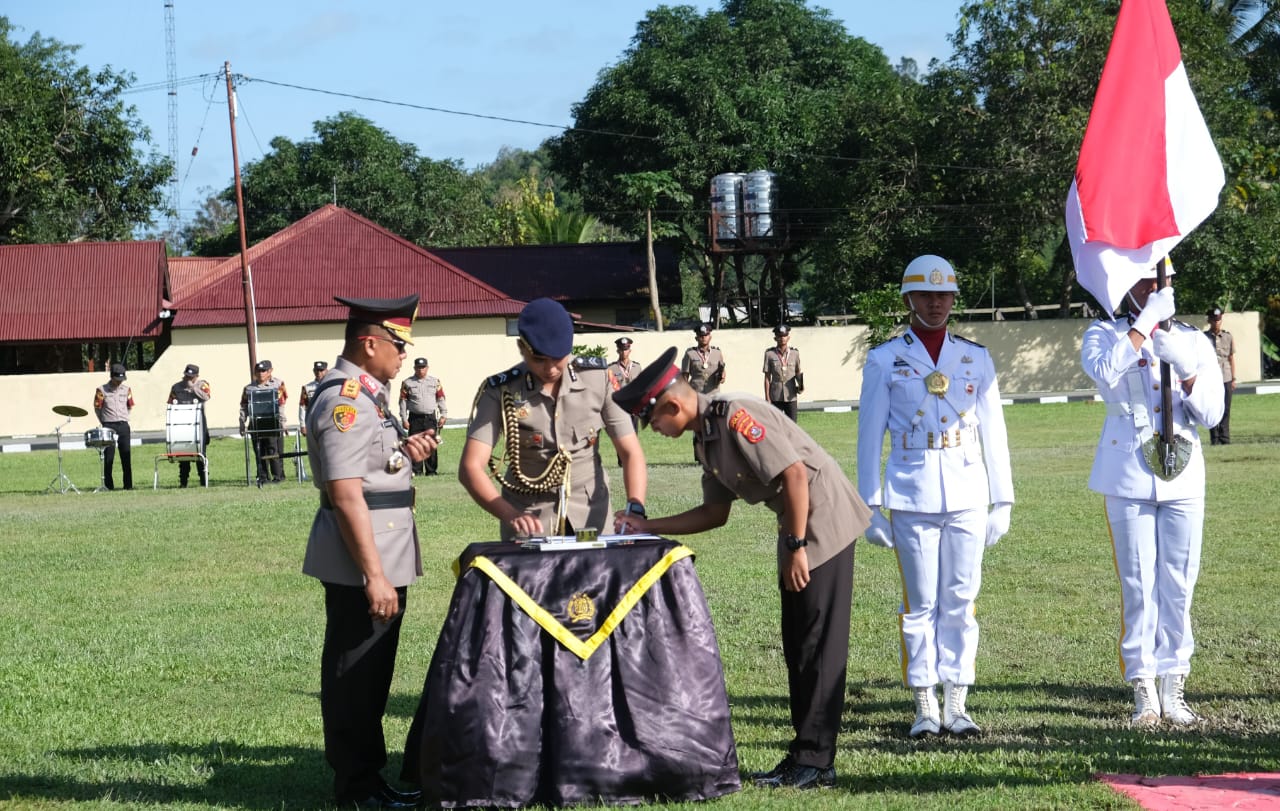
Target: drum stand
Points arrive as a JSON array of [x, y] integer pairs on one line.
[[62, 482], [102, 468]]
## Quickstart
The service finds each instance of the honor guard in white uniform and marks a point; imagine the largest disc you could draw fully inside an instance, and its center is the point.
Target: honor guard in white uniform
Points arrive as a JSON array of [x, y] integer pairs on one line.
[[549, 411], [750, 451], [783, 378], [1155, 516], [363, 544], [423, 408], [935, 394]]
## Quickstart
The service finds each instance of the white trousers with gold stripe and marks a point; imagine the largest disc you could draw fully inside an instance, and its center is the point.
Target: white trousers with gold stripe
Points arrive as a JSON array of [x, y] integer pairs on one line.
[[1157, 557], [940, 560]]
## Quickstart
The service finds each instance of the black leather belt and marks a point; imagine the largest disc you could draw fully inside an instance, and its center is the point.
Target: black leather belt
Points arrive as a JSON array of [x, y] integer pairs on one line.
[[386, 500]]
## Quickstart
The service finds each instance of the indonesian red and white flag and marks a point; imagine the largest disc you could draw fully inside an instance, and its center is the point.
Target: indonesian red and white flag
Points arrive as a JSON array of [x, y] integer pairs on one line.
[[1148, 172]]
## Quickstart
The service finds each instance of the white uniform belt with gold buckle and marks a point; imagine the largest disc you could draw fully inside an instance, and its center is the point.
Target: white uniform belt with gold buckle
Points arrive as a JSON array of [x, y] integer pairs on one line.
[[938, 440]]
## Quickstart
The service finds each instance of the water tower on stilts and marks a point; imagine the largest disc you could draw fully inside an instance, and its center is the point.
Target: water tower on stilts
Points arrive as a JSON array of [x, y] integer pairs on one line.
[[745, 221]]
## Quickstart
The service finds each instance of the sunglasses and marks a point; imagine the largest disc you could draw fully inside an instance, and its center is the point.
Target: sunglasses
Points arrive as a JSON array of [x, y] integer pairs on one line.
[[396, 342]]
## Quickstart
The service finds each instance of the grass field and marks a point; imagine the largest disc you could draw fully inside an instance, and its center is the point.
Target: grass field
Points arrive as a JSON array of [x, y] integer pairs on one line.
[[160, 649]]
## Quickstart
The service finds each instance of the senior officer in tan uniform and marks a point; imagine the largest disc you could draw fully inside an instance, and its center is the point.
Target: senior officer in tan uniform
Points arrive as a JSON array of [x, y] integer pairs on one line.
[[192, 389], [783, 380], [1224, 347], [423, 408], [703, 364], [936, 396], [750, 450], [363, 545], [550, 409]]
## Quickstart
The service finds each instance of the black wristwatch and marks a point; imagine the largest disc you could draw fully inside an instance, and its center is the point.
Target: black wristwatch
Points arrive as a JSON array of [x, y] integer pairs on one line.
[[635, 508], [792, 542]]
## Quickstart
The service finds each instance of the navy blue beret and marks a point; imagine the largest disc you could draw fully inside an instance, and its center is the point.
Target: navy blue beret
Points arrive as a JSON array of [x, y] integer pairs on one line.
[[546, 327]]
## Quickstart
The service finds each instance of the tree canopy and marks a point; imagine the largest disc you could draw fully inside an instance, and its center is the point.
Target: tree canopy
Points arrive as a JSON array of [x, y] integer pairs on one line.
[[365, 169], [70, 169]]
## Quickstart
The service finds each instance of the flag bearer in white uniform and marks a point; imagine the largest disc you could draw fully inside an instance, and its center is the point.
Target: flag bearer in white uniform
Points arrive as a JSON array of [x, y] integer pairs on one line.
[[1156, 521], [947, 485]]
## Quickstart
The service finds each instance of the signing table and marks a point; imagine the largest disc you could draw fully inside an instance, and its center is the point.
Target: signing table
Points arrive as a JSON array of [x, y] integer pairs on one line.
[[571, 673]]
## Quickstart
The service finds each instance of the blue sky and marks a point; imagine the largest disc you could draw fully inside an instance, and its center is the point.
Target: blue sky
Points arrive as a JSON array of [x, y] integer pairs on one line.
[[522, 60]]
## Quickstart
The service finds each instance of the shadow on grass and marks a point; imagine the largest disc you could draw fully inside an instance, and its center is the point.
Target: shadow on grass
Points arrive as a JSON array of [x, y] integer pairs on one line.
[[1036, 735], [230, 774]]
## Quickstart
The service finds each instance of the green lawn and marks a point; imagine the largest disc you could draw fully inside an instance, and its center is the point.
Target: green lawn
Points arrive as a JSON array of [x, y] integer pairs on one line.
[[160, 649]]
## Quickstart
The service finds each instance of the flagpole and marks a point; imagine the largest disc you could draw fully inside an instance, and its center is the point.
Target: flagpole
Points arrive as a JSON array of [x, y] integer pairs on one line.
[[1166, 385]]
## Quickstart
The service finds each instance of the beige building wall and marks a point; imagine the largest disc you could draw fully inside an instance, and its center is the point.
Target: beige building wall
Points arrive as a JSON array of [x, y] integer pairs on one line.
[[1030, 356]]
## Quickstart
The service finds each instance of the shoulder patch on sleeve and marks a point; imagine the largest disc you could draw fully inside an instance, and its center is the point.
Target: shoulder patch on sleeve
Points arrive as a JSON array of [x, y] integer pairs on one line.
[[350, 389], [589, 362], [745, 424], [344, 416]]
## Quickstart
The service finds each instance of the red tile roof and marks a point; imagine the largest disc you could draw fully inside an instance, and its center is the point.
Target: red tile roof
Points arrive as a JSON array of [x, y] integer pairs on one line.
[[331, 252], [82, 291]]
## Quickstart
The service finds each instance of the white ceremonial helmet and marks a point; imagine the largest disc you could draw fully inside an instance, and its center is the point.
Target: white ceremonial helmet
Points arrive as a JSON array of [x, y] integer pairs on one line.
[[1150, 271], [931, 274]]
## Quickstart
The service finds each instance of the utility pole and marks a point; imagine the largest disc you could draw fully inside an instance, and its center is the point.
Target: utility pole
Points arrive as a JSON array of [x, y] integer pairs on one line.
[[246, 275]]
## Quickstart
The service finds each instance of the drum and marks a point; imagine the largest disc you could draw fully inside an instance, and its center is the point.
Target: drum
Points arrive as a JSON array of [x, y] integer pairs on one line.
[[183, 428], [101, 437], [264, 410]]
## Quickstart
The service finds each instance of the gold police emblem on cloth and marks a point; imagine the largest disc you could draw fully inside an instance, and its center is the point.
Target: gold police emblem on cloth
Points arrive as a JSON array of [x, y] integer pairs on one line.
[[935, 277], [580, 607], [937, 383], [396, 463], [344, 416]]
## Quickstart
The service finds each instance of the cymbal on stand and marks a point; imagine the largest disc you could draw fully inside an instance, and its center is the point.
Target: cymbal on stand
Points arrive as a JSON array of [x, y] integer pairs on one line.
[[70, 411]]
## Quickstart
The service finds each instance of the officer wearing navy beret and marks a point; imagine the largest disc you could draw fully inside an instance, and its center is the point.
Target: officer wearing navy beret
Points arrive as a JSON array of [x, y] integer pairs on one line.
[[548, 413], [360, 462], [749, 450]]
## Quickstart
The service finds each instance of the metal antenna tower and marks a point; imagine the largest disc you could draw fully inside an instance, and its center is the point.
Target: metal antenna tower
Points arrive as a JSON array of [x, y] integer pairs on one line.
[[171, 69]]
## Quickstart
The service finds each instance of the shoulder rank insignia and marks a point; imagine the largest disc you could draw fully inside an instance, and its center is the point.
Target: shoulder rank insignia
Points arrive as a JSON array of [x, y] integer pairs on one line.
[[344, 416], [493, 381], [743, 423], [966, 340], [589, 362], [350, 389]]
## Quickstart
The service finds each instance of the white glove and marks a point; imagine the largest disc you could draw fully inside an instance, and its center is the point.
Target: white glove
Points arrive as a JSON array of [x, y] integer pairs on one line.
[[880, 533], [1160, 307], [1175, 349], [998, 521]]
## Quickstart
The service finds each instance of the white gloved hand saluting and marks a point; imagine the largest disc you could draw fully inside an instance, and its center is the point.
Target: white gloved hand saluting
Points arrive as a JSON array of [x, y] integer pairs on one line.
[[998, 521], [880, 533], [1160, 307], [1177, 350]]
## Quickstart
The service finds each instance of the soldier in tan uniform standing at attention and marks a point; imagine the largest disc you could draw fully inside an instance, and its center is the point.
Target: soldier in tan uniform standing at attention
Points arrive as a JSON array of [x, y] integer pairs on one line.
[[783, 380], [112, 402], [550, 409], [751, 451], [363, 545], [703, 364], [423, 408], [624, 369], [308, 393]]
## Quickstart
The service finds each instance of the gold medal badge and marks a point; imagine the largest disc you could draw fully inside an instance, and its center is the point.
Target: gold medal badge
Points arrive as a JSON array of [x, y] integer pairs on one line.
[[580, 608], [937, 383]]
